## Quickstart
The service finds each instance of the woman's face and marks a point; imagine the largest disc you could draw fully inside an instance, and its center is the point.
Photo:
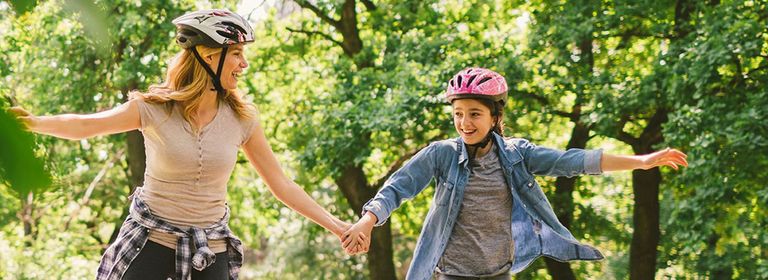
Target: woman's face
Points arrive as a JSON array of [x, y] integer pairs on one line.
[[472, 120], [234, 63]]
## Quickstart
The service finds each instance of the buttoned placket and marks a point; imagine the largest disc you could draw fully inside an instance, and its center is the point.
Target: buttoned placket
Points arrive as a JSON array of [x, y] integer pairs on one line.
[[199, 158]]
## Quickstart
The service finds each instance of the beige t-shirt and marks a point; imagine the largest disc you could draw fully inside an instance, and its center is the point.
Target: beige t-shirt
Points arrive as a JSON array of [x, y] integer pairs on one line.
[[185, 182]]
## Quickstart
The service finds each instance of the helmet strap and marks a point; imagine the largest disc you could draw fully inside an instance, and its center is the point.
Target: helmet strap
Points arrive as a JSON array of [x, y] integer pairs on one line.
[[474, 148], [215, 77]]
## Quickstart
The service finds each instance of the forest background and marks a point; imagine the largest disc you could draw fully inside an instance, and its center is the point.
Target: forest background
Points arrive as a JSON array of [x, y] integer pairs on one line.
[[349, 90]]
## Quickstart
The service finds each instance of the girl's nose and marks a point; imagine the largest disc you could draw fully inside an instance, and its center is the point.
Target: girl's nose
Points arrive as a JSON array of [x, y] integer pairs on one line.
[[464, 122]]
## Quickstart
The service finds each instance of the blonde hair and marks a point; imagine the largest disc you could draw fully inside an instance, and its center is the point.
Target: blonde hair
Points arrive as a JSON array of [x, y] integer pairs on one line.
[[185, 83]]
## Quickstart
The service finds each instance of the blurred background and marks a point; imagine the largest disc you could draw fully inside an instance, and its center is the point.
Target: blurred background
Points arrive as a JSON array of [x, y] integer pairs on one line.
[[349, 90]]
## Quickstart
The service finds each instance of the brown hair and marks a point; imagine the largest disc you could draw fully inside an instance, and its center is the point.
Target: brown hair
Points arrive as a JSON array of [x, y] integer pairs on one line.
[[497, 111]]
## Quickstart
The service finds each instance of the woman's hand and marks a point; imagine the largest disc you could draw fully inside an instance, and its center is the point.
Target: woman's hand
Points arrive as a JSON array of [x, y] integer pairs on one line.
[[25, 117], [357, 239], [341, 228], [668, 157]]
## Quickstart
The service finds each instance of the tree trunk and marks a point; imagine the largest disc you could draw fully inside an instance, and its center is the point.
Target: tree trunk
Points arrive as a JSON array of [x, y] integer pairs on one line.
[[645, 215], [645, 220], [137, 163], [354, 187], [380, 256], [562, 202]]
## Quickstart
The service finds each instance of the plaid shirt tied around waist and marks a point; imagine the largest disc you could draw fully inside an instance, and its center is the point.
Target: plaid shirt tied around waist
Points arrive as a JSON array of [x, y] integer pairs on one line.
[[135, 232]]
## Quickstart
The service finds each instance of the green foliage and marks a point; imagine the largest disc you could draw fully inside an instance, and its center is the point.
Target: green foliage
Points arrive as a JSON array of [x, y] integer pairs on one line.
[[20, 169], [323, 109], [719, 84]]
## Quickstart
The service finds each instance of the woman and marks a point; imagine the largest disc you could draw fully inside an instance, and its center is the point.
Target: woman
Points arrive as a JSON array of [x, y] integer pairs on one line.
[[489, 218], [194, 124]]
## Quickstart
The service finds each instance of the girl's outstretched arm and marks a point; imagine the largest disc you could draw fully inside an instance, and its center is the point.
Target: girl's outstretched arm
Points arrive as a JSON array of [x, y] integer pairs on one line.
[[667, 157], [124, 117], [260, 154]]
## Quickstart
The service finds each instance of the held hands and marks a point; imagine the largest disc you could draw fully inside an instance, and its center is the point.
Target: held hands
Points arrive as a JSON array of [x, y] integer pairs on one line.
[[668, 157], [357, 239]]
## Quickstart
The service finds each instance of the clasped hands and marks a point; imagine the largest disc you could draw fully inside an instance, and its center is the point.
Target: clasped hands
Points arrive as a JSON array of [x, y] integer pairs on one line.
[[356, 238]]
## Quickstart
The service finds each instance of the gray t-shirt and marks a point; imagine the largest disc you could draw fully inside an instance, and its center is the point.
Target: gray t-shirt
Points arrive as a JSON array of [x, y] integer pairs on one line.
[[481, 243]]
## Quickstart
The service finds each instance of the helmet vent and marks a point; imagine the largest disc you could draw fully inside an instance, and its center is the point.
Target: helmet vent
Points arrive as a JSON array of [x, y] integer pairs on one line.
[[483, 80], [458, 80], [471, 79]]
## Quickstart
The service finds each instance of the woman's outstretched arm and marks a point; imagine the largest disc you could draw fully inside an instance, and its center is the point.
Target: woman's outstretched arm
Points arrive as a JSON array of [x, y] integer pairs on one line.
[[124, 117], [260, 154]]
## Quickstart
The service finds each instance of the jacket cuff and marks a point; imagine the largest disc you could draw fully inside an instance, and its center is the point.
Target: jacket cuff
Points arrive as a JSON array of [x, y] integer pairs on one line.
[[375, 208], [592, 160]]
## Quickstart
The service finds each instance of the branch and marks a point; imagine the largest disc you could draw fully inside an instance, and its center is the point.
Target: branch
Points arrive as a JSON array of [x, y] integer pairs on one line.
[[395, 166], [757, 69], [369, 5], [652, 130], [399, 162], [545, 102], [312, 33], [306, 5], [635, 33], [541, 99], [87, 196], [570, 116], [622, 135]]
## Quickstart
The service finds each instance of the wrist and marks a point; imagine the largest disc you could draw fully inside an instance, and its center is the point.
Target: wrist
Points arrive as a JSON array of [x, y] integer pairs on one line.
[[369, 219], [339, 227]]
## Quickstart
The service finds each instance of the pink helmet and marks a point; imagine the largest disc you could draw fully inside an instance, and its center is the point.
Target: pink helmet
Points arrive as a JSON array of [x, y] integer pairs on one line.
[[474, 82]]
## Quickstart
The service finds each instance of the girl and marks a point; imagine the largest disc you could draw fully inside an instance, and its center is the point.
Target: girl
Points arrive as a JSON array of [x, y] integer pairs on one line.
[[490, 219], [193, 124]]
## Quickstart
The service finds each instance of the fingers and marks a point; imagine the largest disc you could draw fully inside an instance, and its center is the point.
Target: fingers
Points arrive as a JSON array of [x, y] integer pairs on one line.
[[19, 112], [670, 157], [347, 241]]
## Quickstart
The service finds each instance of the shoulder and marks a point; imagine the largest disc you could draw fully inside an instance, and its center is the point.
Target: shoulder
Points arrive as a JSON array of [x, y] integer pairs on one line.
[[145, 103], [442, 151], [248, 121], [519, 143], [517, 148], [443, 146]]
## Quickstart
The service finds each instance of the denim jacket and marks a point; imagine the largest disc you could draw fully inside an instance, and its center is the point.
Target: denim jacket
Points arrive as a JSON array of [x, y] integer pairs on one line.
[[535, 228]]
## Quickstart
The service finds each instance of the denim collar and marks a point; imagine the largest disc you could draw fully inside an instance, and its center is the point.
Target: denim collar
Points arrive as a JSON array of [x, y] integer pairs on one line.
[[510, 157]]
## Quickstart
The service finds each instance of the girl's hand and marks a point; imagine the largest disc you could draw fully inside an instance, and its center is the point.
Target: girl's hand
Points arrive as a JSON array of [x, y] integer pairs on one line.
[[668, 157], [357, 239], [341, 228]]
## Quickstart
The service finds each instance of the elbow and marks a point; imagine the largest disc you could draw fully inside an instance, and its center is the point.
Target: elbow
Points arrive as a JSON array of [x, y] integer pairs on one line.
[[282, 192], [81, 129]]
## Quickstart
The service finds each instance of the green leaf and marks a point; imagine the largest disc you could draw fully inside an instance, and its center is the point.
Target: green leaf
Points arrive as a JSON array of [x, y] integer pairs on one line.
[[19, 168]]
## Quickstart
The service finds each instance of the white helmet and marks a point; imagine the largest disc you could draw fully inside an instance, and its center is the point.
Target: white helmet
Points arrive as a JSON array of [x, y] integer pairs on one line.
[[212, 28]]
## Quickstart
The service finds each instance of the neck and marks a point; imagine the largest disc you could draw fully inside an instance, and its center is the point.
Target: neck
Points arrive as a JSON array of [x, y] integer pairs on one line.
[[208, 101], [482, 151]]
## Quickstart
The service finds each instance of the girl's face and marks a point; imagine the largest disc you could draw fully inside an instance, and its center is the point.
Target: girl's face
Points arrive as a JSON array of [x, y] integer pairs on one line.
[[472, 120], [234, 63]]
